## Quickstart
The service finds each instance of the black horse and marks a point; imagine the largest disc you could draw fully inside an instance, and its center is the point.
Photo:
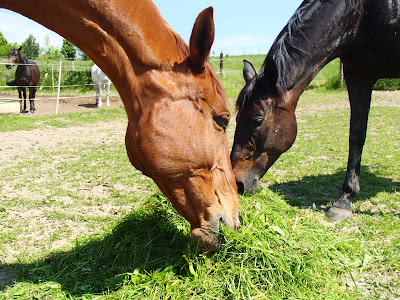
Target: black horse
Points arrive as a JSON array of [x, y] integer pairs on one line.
[[26, 75], [365, 34]]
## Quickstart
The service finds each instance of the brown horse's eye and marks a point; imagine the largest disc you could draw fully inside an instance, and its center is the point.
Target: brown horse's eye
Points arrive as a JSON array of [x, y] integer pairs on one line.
[[222, 121]]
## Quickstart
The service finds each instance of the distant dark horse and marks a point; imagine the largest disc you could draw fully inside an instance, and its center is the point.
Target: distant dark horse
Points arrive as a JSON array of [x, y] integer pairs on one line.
[[26, 75], [365, 34]]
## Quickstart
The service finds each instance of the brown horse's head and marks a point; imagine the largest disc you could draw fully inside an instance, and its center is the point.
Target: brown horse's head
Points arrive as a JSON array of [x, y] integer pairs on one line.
[[13, 57], [266, 126], [177, 111], [179, 137]]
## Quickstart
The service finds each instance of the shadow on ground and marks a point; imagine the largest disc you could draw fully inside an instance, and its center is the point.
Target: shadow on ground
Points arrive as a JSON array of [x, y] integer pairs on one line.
[[145, 240], [88, 105], [323, 190]]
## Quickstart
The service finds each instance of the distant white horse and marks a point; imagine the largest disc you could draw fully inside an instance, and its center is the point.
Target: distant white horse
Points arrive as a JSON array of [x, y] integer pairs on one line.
[[100, 81]]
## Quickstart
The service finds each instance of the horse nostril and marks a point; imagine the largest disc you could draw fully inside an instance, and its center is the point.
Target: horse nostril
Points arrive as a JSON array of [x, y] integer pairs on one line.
[[240, 187], [254, 186]]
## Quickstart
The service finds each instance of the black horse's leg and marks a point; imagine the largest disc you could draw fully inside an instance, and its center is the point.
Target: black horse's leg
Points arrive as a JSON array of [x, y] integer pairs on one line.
[[32, 93], [359, 90], [24, 93], [20, 101]]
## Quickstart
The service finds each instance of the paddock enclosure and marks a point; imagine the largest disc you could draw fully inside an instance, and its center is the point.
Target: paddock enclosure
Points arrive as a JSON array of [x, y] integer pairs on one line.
[[76, 92]]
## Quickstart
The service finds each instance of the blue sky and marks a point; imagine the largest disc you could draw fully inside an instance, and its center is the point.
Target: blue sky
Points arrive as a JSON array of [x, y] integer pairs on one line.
[[247, 27]]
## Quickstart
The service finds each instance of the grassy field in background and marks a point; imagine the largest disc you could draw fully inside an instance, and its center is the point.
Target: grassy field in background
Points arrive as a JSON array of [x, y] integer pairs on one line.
[[233, 82], [120, 238], [232, 78]]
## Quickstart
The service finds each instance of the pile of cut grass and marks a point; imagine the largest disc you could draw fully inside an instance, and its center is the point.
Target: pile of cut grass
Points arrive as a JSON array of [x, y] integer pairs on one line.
[[280, 252]]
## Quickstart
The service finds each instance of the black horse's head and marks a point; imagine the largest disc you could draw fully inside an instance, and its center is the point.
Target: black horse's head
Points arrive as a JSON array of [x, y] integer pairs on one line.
[[14, 57], [266, 126]]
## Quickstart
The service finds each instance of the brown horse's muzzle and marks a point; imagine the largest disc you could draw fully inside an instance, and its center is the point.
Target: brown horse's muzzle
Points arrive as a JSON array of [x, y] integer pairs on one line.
[[208, 235], [204, 206]]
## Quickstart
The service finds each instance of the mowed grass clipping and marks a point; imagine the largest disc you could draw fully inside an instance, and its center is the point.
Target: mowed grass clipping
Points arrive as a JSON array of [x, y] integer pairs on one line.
[[77, 221]]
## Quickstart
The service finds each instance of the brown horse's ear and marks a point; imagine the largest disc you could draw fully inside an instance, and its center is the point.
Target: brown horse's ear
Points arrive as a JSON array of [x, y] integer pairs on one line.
[[201, 39], [269, 75], [248, 71]]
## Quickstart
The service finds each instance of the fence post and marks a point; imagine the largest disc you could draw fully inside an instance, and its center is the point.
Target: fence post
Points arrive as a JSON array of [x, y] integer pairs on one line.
[[59, 87], [52, 76], [221, 63]]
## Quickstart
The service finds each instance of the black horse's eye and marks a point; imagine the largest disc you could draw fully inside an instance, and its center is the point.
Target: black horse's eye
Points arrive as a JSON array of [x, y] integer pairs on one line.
[[257, 122], [222, 121]]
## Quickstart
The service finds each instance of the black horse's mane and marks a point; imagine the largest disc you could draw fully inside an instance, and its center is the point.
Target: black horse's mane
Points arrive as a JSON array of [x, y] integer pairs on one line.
[[304, 33], [313, 34]]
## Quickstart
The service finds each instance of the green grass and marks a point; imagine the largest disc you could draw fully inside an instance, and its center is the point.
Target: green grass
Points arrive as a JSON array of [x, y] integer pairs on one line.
[[77, 221]]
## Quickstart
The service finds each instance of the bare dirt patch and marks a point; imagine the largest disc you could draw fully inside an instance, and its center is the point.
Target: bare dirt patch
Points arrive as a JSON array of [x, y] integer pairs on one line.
[[29, 222], [379, 98], [46, 105]]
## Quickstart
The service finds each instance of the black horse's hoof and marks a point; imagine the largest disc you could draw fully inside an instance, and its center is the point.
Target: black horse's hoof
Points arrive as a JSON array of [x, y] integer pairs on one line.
[[24, 111], [338, 214], [341, 209]]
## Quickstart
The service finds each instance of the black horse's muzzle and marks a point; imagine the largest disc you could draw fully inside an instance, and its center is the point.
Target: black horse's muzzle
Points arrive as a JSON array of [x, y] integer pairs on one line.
[[247, 187]]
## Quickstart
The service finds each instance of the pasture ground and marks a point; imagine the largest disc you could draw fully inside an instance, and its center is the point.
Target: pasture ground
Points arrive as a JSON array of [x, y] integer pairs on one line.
[[77, 221]]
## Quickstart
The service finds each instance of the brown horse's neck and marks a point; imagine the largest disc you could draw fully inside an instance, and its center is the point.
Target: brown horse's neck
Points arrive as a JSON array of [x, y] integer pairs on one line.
[[127, 40]]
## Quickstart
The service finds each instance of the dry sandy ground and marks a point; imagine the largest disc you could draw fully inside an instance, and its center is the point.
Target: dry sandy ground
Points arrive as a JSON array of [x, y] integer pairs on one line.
[[46, 105]]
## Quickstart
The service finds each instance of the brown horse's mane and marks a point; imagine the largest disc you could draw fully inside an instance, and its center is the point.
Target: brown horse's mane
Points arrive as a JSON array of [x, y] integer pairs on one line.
[[184, 52]]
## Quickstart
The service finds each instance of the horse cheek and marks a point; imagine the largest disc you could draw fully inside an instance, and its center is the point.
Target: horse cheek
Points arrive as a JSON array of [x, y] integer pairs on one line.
[[286, 130]]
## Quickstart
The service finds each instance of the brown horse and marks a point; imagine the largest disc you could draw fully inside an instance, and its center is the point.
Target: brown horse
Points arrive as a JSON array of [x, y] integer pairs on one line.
[[364, 34], [26, 75], [177, 110]]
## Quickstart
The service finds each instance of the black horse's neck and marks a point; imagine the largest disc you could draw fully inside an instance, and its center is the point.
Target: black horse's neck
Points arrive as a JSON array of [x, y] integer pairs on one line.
[[314, 36]]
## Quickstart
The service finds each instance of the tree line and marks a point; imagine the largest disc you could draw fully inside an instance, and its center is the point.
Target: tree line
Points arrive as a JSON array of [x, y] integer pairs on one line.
[[31, 49]]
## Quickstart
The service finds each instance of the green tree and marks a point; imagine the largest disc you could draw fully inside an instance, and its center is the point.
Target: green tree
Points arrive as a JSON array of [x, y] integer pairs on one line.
[[50, 52], [68, 49], [82, 54], [4, 46], [30, 47]]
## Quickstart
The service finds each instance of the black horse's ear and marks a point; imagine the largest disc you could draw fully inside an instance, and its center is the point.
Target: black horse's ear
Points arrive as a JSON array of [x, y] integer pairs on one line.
[[248, 71], [269, 72], [201, 39], [19, 49]]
